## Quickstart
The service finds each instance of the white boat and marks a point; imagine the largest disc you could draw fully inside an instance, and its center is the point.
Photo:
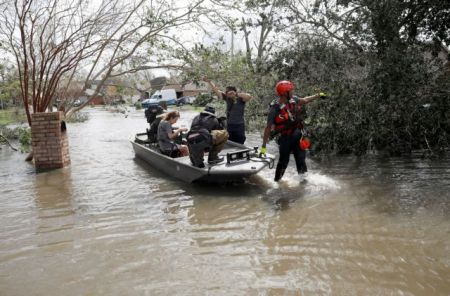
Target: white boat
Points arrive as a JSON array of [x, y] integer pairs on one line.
[[239, 162]]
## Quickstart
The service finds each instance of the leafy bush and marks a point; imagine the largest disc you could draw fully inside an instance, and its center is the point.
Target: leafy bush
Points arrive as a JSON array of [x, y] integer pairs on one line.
[[376, 95], [24, 139], [22, 134], [375, 100], [202, 100]]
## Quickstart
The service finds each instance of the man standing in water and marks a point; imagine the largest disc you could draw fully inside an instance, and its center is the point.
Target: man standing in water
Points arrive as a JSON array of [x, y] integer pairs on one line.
[[235, 110], [285, 119]]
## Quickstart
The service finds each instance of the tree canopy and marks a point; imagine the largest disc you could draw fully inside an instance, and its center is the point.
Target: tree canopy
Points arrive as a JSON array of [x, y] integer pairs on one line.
[[384, 63]]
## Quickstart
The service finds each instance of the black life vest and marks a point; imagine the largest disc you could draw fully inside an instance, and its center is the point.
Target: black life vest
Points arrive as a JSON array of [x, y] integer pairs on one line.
[[200, 129], [206, 120]]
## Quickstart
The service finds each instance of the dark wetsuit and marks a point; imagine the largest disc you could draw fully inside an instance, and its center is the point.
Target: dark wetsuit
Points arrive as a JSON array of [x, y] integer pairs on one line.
[[290, 131]]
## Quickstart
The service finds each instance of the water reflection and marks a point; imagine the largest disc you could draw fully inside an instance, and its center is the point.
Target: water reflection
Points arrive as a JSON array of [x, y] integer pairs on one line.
[[56, 214], [53, 189]]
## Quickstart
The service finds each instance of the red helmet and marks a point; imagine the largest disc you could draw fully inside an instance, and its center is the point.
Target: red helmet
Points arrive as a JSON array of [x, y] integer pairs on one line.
[[283, 87]]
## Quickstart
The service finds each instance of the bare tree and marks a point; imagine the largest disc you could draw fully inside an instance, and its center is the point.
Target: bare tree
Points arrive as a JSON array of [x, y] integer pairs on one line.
[[54, 40], [258, 21], [328, 19]]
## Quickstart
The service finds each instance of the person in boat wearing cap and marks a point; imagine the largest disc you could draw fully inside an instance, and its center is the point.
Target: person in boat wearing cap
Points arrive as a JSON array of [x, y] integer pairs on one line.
[[285, 119], [206, 133], [235, 110]]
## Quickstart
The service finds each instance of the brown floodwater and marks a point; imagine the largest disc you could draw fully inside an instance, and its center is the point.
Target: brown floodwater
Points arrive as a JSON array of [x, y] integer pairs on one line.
[[112, 225]]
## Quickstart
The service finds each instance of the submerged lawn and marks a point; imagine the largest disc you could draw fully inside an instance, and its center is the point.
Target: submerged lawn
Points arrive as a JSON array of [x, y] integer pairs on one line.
[[12, 115]]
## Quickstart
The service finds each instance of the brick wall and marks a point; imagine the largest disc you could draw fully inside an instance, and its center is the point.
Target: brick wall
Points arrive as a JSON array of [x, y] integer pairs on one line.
[[50, 144]]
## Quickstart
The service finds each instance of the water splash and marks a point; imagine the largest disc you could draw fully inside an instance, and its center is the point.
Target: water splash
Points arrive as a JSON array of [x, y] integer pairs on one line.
[[311, 181], [320, 181]]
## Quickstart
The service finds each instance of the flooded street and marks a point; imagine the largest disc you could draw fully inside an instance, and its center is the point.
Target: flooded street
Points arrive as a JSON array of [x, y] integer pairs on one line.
[[112, 225]]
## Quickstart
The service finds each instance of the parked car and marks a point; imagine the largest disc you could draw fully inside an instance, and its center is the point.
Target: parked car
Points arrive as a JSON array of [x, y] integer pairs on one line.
[[150, 102], [167, 95], [77, 103], [185, 100]]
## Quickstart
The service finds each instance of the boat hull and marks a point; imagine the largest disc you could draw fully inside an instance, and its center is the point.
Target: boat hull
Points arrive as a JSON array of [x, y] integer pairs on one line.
[[181, 167]]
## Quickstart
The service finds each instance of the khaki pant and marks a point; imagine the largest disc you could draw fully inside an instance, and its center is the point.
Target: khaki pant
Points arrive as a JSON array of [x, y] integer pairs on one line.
[[219, 138]]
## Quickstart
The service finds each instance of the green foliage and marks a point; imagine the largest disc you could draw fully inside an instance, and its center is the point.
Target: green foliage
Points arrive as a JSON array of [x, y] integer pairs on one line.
[[138, 105], [12, 115], [22, 134], [24, 139], [9, 87], [380, 77], [402, 79], [120, 89], [376, 100], [224, 70], [202, 100], [336, 123]]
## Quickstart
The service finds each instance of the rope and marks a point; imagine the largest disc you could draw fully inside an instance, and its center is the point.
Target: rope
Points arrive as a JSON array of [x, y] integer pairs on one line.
[[269, 160]]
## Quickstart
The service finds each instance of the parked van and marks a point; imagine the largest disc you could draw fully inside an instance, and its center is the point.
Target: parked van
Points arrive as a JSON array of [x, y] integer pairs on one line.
[[167, 95]]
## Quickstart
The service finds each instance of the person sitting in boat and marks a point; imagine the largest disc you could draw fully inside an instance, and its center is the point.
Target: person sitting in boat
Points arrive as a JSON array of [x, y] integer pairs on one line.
[[166, 136], [154, 115], [206, 134]]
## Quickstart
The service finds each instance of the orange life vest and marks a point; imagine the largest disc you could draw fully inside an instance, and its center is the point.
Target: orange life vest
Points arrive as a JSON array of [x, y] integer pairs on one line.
[[286, 121]]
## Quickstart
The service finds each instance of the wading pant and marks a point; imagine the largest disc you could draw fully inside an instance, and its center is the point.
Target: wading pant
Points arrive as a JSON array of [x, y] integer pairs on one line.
[[197, 143], [290, 144], [237, 132]]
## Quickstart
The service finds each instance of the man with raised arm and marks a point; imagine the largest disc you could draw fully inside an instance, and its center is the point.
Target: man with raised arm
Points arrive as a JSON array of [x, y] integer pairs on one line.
[[235, 110]]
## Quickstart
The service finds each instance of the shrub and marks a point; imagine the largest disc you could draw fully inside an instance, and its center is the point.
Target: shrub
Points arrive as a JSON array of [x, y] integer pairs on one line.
[[203, 99], [24, 139]]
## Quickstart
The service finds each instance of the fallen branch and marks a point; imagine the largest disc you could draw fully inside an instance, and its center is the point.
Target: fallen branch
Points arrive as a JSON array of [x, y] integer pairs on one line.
[[7, 142]]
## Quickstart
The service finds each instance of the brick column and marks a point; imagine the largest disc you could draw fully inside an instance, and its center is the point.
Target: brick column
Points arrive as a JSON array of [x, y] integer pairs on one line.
[[49, 141]]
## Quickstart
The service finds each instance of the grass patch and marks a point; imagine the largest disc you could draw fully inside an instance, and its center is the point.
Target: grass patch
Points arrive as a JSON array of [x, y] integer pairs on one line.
[[10, 116]]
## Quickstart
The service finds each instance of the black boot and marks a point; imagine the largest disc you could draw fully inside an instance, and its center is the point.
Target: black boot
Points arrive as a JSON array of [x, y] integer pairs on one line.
[[214, 160], [213, 157], [196, 155], [279, 172]]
